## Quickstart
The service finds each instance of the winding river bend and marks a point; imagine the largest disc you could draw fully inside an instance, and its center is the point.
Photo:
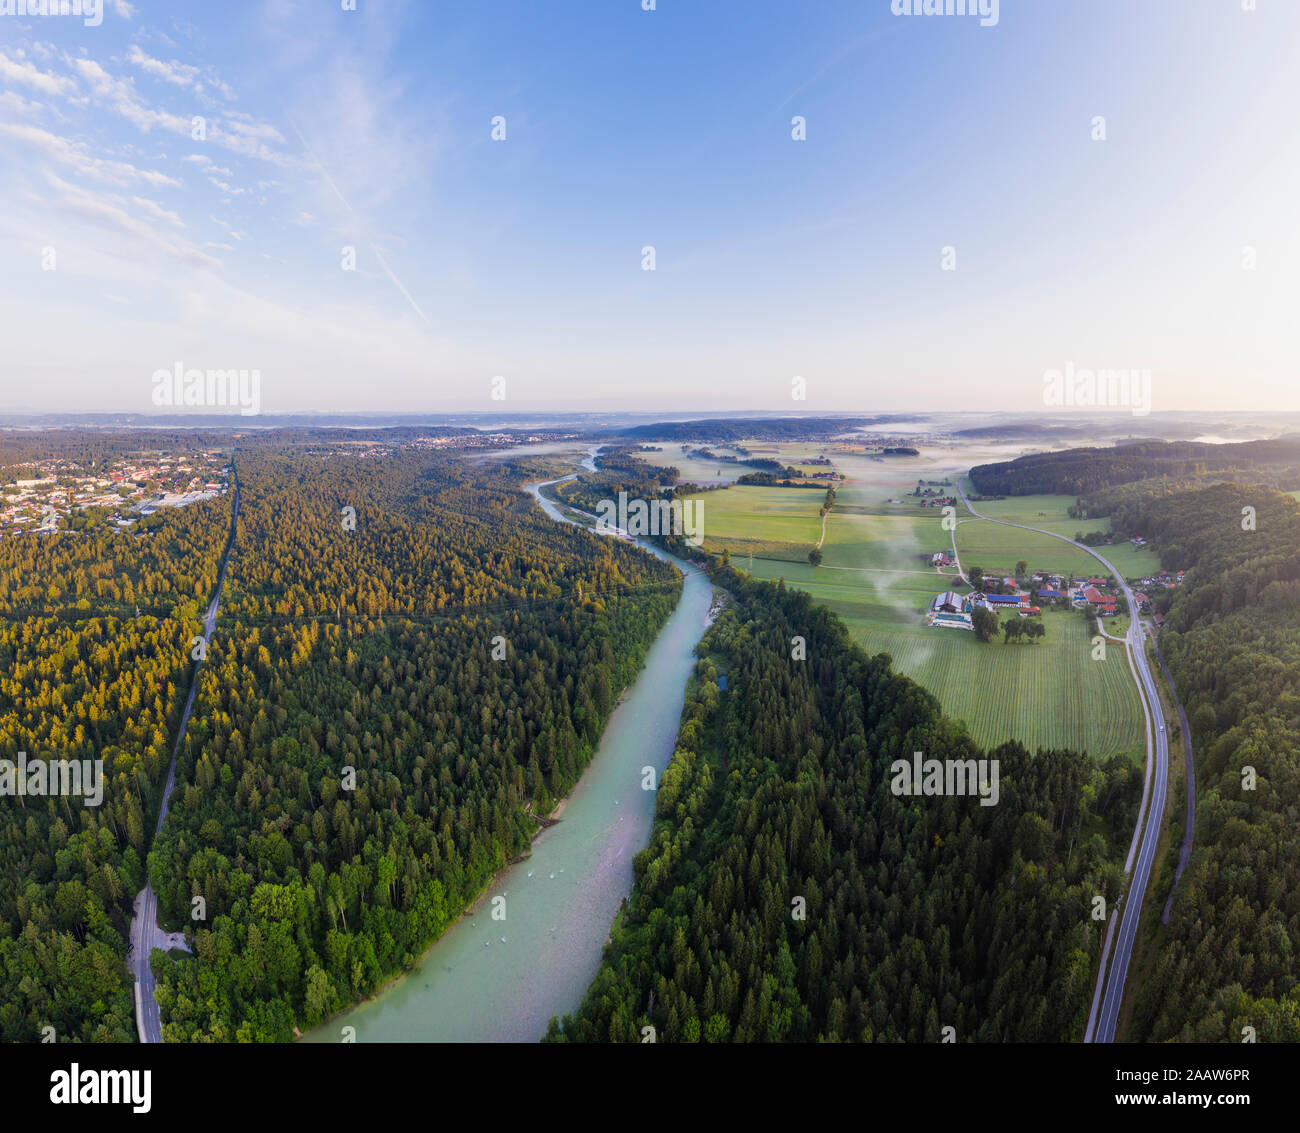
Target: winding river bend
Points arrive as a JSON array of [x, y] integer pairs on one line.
[[501, 981]]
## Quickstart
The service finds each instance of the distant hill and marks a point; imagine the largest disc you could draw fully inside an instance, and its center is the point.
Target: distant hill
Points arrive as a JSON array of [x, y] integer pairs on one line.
[[741, 428], [1084, 470], [1022, 431]]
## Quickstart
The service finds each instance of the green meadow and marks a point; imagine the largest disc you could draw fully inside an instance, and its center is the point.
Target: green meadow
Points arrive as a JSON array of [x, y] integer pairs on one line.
[[1051, 513], [779, 523], [1049, 693], [875, 574], [695, 470]]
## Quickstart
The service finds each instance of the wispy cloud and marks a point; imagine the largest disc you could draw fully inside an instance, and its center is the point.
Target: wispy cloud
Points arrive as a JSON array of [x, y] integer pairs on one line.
[[107, 212], [154, 209], [73, 154], [185, 75], [375, 250], [121, 96], [204, 162], [47, 82], [180, 74]]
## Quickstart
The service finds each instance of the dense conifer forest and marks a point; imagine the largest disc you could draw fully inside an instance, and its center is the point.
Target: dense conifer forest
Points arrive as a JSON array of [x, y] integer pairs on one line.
[[921, 913], [1230, 956], [411, 663], [457, 649], [1227, 960], [82, 677], [1084, 471]]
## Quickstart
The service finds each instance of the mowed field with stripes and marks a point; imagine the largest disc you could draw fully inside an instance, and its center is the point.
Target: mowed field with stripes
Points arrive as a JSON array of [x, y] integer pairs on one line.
[[1050, 693], [1047, 694]]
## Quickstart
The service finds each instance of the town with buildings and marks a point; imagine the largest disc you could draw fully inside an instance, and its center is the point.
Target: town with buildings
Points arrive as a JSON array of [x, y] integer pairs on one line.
[[61, 495]]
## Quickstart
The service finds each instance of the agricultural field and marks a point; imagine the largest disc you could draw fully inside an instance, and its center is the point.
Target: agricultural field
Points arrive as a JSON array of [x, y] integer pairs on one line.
[[1048, 693], [1051, 514], [876, 576], [697, 471], [865, 597], [997, 548], [778, 523], [692, 470]]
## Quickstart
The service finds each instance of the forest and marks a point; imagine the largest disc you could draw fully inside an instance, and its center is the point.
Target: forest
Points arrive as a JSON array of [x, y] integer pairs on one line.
[[455, 649], [1230, 956], [740, 429], [83, 677], [412, 662], [383, 710], [789, 895], [1227, 959], [1085, 471]]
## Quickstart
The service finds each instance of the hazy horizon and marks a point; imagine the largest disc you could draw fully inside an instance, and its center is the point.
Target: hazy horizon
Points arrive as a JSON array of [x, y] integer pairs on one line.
[[890, 210]]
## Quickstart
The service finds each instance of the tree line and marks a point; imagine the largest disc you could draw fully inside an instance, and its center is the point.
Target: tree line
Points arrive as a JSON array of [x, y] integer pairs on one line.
[[1085, 471]]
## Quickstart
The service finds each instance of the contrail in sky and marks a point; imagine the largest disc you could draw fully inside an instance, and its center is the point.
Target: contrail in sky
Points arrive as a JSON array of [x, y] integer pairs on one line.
[[378, 254]]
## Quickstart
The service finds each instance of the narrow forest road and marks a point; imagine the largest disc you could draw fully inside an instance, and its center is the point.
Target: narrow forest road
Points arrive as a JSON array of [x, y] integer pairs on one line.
[[1109, 993], [146, 935]]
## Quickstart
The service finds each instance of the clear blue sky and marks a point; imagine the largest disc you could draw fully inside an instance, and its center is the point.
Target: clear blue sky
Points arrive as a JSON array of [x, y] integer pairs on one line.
[[670, 128]]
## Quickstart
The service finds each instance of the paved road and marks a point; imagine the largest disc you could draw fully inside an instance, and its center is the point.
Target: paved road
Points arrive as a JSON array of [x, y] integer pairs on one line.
[[1110, 981], [145, 934]]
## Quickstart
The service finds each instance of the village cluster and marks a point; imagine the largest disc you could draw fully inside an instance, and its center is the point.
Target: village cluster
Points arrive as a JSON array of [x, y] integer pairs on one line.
[[951, 610], [1160, 580], [931, 493], [58, 494], [371, 450]]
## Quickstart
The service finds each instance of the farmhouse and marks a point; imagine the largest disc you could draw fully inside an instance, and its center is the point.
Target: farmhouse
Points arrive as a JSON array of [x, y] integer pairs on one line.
[[1002, 601], [950, 611], [949, 603]]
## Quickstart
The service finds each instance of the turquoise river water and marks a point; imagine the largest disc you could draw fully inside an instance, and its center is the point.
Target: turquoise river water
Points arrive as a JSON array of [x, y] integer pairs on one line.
[[488, 980]]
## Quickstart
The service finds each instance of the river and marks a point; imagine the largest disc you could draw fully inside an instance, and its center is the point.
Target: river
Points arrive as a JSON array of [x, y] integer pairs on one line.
[[488, 980]]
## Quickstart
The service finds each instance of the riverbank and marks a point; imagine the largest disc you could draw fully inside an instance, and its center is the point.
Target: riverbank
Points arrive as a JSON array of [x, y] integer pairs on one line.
[[502, 981]]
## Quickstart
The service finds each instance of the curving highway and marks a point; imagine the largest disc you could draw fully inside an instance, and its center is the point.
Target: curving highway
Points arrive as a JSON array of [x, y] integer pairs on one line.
[[1104, 1016]]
